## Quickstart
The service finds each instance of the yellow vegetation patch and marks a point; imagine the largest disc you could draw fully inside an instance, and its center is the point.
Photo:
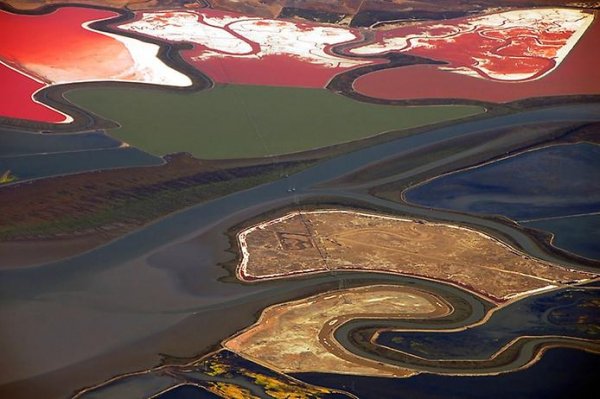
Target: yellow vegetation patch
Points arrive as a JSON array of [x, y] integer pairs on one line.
[[232, 391]]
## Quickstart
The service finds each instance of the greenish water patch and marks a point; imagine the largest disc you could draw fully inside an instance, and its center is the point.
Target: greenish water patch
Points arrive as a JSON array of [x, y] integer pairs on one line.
[[235, 121]]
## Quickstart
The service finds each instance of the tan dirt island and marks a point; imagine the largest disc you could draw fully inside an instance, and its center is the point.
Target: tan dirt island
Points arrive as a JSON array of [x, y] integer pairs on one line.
[[304, 242], [298, 336]]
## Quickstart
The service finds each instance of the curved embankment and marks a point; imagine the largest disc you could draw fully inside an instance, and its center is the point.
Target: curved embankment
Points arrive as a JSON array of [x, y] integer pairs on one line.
[[341, 332], [510, 337], [466, 308], [335, 240], [296, 336]]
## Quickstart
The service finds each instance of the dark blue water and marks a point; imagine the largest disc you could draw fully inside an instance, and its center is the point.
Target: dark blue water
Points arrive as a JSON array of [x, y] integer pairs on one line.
[[561, 373], [554, 181], [567, 313], [578, 234], [35, 166], [188, 392]]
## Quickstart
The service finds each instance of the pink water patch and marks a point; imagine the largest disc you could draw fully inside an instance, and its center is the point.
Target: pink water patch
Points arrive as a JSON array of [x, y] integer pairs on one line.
[[518, 45], [17, 102], [576, 74]]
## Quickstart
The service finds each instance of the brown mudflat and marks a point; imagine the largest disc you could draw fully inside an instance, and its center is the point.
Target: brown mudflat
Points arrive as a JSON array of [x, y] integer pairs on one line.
[[33, 252], [298, 336]]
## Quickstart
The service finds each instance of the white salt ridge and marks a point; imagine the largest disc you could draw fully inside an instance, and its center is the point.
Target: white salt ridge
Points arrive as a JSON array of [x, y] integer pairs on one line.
[[185, 27], [552, 20], [148, 68], [269, 37]]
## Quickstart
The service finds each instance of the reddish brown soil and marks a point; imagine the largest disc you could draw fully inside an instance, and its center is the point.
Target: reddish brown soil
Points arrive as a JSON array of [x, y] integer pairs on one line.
[[340, 6], [131, 4], [258, 8]]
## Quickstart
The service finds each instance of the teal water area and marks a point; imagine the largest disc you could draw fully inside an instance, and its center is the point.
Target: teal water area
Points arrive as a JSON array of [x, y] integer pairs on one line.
[[36, 166], [14, 142], [37, 155]]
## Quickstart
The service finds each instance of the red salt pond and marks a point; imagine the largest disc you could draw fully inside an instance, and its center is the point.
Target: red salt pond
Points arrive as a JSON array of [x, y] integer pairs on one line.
[[59, 48], [32, 45], [485, 56], [498, 57], [53, 44], [233, 48], [562, 66], [17, 102]]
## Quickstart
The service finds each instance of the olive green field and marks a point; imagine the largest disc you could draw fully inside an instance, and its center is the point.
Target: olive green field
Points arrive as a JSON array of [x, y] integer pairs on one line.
[[234, 121]]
